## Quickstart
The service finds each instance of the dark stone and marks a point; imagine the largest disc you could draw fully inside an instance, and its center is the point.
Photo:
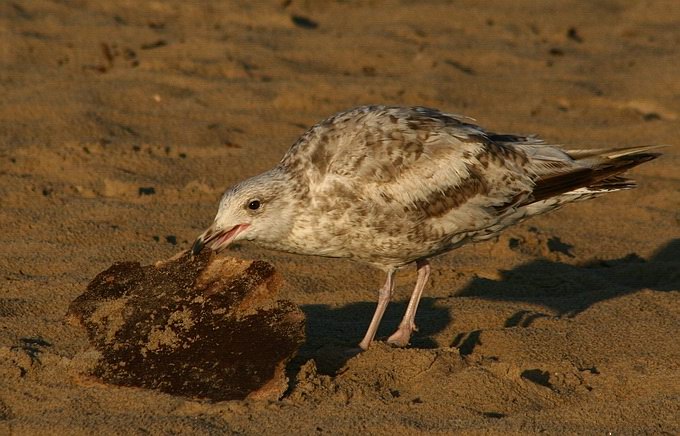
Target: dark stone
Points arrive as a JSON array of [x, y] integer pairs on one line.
[[368, 71], [460, 67], [537, 376], [155, 44], [514, 243], [573, 34], [147, 190], [200, 326], [304, 22], [556, 245]]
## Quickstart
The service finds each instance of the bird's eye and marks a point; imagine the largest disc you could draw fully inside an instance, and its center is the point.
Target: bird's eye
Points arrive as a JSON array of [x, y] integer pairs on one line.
[[254, 204]]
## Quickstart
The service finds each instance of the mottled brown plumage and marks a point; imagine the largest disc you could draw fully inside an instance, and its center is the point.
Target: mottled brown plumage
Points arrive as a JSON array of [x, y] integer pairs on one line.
[[389, 186]]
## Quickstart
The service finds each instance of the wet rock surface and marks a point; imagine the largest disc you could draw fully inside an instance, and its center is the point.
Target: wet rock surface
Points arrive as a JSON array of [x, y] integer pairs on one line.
[[201, 326]]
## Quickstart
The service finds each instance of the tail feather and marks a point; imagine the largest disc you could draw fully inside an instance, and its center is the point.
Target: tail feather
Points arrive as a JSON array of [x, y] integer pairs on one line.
[[566, 176], [615, 183], [598, 171], [610, 153]]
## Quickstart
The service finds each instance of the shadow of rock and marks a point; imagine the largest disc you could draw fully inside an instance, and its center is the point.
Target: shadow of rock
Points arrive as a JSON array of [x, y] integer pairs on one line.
[[571, 289], [333, 333]]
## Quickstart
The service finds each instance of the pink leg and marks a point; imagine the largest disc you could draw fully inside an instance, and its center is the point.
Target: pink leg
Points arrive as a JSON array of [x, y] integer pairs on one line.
[[383, 298], [401, 337]]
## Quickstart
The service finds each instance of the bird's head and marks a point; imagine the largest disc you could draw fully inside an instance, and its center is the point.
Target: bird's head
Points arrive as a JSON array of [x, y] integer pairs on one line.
[[258, 209]]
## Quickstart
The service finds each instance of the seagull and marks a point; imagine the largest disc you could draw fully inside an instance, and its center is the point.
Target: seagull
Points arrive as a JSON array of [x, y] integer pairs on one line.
[[390, 186]]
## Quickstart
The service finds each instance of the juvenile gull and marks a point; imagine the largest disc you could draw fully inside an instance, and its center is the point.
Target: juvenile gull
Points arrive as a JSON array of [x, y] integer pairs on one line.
[[389, 186]]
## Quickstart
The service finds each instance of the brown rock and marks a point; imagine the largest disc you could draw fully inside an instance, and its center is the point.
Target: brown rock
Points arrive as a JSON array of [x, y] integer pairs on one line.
[[194, 326]]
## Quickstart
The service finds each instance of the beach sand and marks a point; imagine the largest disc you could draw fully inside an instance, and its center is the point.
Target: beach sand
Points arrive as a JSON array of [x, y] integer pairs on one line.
[[122, 122]]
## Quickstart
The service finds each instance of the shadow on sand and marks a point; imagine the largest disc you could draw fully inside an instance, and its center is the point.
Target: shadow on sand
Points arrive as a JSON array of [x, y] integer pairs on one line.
[[571, 289], [562, 288], [568, 290], [333, 333]]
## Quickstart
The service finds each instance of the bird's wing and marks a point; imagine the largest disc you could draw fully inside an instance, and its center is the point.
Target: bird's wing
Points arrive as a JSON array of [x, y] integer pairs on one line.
[[417, 161], [443, 168], [375, 142]]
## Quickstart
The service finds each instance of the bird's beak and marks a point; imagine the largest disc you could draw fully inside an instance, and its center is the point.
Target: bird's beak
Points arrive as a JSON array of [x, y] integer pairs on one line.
[[199, 243], [216, 239]]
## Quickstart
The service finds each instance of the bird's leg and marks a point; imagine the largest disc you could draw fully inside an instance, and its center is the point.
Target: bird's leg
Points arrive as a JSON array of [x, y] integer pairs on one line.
[[383, 298], [401, 337]]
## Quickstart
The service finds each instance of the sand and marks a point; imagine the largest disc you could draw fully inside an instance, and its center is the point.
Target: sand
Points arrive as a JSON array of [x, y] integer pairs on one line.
[[121, 123]]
